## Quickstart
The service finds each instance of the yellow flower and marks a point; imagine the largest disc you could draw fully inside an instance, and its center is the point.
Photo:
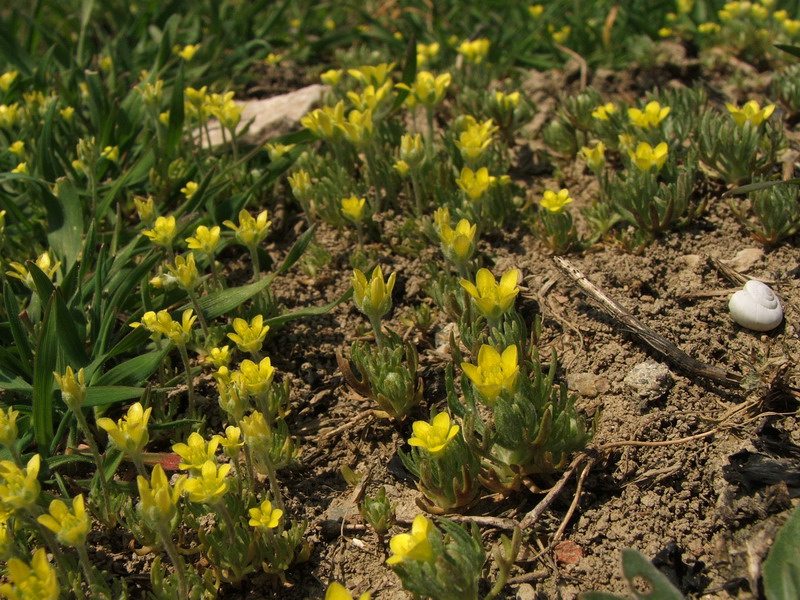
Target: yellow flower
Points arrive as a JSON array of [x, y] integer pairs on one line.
[[415, 545], [17, 148], [67, 113], [433, 436], [336, 591], [273, 59], [265, 517], [70, 526], [751, 112], [506, 102], [324, 122], [249, 336], [427, 89], [250, 231], [8, 426], [474, 51], [664, 32], [145, 209], [372, 97], [457, 244], [494, 372], [651, 116], [231, 443], [161, 323], [276, 151], [425, 52], [44, 262], [373, 297], [73, 390], [603, 111], [331, 77], [219, 357], [647, 157], [493, 299], [626, 141], [474, 141], [6, 79], [535, 10], [401, 167], [257, 377], [560, 36], [196, 451], [19, 489], [190, 189], [353, 208], [36, 582], [475, 183], [359, 127], [257, 434], [555, 202], [210, 486], [110, 153], [21, 168], [595, 157], [412, 149], [8, 115], [187, 52], [157, 500], [129, 433], [163, 231], [205, 240], [373, 75], [708, 28], [300, 182], [185, 271]]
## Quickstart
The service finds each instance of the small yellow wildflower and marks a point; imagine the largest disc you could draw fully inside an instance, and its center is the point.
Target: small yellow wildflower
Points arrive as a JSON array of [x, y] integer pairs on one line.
[[373, 75], [220, 357], [646, 157], [353, 208], [8, 114], [17, 148], [129, 433], [435, 435], [37, 581], [555, 201], [70, 526], [651, 116], [475, 183], [427, 90], [190, 189], [300, 182], [67, 113], [359, 127], [257, 378], [8, 426], [205, 240], [45, 264], [195, 452], [73, 388], [250, 231], [273, 59], [249, 337], [604, 111], [6, 79], [595, 157], [708, 28], [402, 167], [475, 139], [494, 372], [331, 77], [19, 488], [21, 168], [265, 516], [535, 10], [474, 51], [426, 52], [373, 297], [492, 299], [415, 545], [257, 434], [187, 52], [336, 591], [276, 151], [110, 153], [750, 112], [458, 244], [163, 231], [185, 272], [232, 442], [158, 501], [324, 122], [211, 484], [145, 209], [559, 35]]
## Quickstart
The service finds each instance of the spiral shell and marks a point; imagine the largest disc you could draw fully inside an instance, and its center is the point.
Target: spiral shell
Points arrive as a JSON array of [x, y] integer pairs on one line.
[[756, 307]]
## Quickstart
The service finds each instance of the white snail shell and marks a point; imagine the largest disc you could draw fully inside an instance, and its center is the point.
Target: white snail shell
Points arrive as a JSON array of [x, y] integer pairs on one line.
[[756, 307]]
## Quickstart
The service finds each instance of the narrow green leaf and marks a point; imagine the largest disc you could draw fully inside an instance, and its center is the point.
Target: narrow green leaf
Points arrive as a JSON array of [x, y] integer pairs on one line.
[[175, 128], [59, 460], [86, 14], [17, 330], [64, 222], [782, 567], [111, 394], [308, 312], [48, 163], [220, 302], [44, 287], [409, 72], [133, 371], [68, 337], [15, 383], [759, 185], [138, 171], [793, 50], [45, 362]]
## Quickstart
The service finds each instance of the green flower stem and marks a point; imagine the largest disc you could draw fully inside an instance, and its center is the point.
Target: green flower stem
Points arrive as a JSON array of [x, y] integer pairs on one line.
[[417, 192], [273, 481], [136, 457], [98, 587], [199, 312], [187, 368], [92, 443], [256, 264], [214, 273], [175, 557], [226, 516], [429, 139], [251, 477], [376, 327]]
